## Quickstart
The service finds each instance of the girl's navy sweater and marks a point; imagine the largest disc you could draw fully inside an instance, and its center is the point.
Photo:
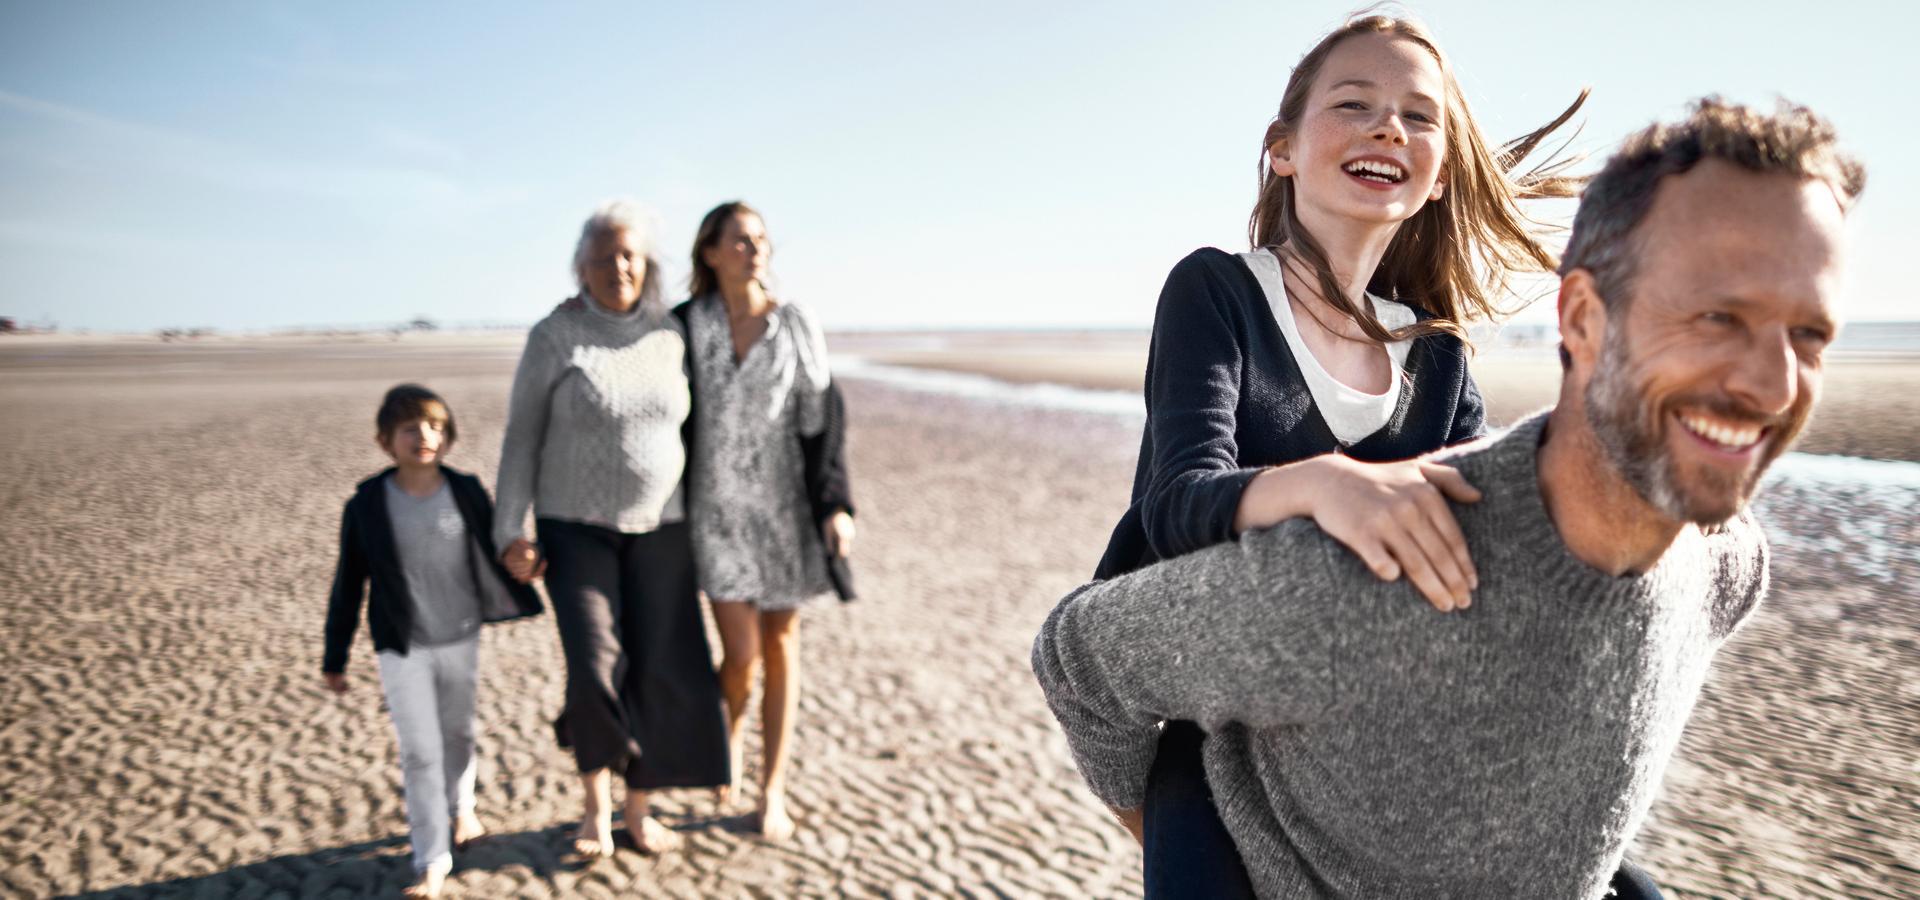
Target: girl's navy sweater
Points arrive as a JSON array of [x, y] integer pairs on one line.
[[1225, 398]]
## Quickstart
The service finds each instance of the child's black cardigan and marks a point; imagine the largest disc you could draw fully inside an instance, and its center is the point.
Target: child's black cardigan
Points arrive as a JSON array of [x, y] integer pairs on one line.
[[1225, 397], [367, 553]]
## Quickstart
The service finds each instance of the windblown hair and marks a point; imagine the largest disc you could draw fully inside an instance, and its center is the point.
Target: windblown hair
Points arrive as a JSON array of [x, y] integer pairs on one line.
[[704, 279], [407, 402], [620, 215], [1793, 140], [1455, 256]]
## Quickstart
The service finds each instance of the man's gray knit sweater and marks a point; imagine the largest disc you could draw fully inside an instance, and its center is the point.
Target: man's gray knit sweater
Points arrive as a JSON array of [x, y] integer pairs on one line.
[[593, 423], [1363, 745]]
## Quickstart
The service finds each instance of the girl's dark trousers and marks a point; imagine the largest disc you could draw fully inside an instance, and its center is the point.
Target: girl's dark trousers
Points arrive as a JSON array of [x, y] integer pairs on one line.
[[1188, 852], [642, 695]]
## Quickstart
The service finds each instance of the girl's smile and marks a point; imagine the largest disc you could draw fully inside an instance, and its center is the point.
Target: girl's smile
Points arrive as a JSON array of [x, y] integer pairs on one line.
[[1371, 145]]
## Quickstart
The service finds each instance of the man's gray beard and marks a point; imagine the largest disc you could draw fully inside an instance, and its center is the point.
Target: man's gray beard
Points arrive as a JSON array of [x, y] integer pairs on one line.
[[1629, 433]]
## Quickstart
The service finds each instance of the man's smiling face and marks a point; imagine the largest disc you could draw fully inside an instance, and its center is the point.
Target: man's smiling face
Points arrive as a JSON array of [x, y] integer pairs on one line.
[[1712, 367]]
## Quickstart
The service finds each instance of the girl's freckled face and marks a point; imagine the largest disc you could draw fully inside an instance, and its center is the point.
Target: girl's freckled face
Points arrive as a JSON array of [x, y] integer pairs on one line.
[[1372, 142]]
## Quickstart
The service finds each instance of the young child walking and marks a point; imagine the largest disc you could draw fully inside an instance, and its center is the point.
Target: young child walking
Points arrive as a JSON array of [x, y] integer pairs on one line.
[[421, 533]]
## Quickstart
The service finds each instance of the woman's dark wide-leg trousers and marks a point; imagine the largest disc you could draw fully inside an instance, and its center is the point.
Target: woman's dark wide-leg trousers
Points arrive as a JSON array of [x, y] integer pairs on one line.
[[642, 695]]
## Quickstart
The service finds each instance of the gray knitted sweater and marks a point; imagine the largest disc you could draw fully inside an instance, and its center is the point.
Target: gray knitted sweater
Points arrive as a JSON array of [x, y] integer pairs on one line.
[[1363, 745], [593, 423]]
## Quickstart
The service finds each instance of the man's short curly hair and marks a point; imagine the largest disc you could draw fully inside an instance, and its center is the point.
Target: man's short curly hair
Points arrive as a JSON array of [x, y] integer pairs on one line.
[[1792, 140]]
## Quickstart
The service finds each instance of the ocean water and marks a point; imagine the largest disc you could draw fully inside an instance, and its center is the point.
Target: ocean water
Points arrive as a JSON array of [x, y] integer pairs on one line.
[[1857, 517], [980, 387], [1858, 340]]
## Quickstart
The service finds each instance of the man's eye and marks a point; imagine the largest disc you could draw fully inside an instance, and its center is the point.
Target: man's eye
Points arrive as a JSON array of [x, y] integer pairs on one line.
[[1717, 318], [1350, 104]]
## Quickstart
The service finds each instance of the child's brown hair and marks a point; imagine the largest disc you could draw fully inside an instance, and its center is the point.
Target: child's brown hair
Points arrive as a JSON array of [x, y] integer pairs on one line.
[[1454, 257], [406, 402]]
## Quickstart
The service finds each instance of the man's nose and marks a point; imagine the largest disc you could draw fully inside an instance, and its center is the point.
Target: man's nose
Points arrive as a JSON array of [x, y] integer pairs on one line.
[[1766, 377]]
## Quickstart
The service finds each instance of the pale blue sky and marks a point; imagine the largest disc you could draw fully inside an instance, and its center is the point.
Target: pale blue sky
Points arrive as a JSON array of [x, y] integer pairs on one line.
[[252, 165]]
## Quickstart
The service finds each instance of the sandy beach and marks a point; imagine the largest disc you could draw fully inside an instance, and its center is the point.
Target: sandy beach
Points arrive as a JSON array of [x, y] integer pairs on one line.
[[169, 514]]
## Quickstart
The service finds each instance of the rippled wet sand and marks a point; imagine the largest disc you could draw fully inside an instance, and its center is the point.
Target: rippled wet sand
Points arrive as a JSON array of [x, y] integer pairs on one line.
[[168, 518]]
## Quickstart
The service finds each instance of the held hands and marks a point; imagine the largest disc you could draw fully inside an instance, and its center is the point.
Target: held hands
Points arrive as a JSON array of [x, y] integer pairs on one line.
[[1394, 516], [335, 681], [523, 561], [837, 531]]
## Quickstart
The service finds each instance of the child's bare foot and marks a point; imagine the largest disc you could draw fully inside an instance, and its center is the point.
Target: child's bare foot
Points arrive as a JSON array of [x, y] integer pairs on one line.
[[427, 886], [467, 829], [775, 824], [594, 839]]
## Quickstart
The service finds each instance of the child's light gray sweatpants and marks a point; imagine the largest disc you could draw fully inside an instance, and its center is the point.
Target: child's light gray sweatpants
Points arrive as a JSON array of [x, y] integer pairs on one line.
[[430, 694]]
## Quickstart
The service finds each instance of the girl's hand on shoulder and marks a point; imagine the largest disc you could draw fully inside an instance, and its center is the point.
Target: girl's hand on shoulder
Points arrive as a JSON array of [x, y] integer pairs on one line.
[[1394, 516], [838, 532]]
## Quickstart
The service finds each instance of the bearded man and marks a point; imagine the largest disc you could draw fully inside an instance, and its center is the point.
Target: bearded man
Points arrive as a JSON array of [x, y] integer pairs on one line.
[[1360, 744]]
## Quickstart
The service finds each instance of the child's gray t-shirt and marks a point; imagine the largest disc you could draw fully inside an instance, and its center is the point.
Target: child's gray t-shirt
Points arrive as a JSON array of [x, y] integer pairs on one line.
[[431, 539]]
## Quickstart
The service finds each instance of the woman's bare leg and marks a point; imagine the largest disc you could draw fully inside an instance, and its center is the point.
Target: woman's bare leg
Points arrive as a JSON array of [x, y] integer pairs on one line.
[[595, 837], [780, 646], [739, 625]]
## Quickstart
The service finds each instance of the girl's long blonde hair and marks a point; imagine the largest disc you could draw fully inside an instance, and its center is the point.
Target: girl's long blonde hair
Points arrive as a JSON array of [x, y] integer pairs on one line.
[[1454, 256]]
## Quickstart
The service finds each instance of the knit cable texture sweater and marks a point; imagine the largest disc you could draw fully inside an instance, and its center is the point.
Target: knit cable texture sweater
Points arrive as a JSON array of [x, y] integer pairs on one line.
[[594, 422], [1363, 745]]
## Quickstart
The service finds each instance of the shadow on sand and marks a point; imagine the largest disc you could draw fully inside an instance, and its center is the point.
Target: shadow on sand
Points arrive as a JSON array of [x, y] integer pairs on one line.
[[381, 868]]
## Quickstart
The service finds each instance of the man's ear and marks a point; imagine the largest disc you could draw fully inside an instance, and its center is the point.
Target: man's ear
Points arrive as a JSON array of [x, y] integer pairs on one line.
[[1583, 321], [1439, 190], [1278, 160]]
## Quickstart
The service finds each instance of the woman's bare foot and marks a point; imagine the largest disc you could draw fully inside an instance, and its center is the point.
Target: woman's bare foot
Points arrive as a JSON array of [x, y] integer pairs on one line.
[[775, 824], [428, 885], [652, 836], [467, 828], [649, 834], [594, 839], [725, 795]]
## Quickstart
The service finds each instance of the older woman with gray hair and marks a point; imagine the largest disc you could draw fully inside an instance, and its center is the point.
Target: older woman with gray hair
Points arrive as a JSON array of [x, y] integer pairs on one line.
[[594, 448]]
